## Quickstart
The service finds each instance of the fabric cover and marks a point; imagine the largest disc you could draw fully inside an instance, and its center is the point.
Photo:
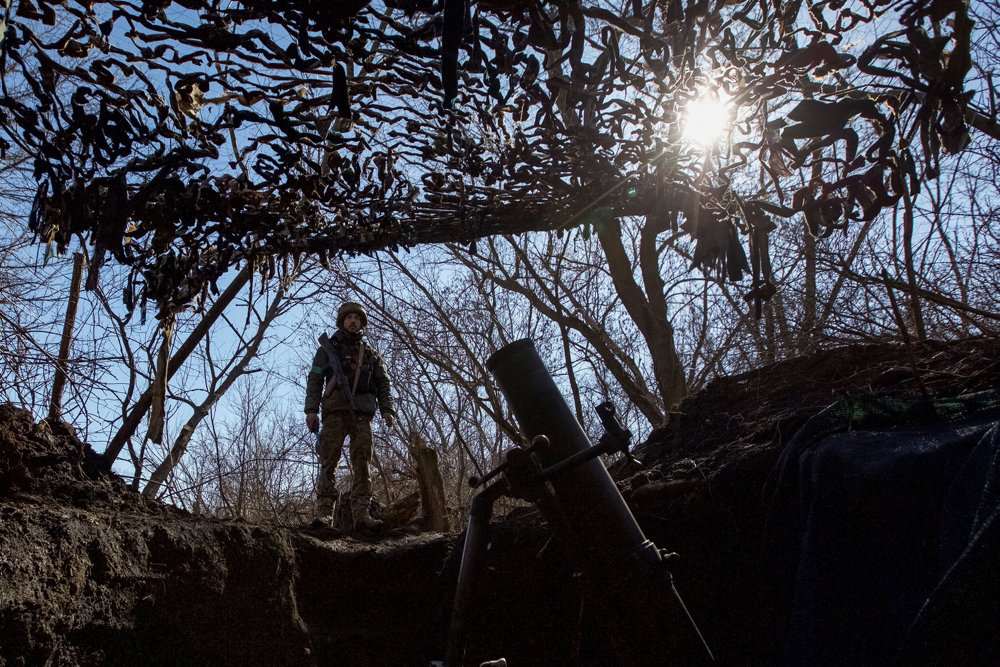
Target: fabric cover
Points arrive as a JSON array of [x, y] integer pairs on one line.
[[882, 540]]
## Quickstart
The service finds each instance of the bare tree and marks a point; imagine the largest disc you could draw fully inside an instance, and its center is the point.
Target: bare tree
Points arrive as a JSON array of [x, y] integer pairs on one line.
[[29, 320], [222, 376], [255, 464]]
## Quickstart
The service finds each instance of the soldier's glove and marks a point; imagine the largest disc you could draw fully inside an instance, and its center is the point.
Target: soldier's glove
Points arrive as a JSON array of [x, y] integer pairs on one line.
[[312, 422]]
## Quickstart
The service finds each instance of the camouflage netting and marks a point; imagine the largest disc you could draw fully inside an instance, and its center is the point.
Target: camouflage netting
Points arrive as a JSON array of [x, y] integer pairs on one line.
[[187, 137]]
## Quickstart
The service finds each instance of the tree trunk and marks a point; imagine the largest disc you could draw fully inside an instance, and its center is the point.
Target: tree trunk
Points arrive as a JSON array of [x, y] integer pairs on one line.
[[59, 381], [648, 310], [807, 340], [916, 312], [431, 485], [158, 416]]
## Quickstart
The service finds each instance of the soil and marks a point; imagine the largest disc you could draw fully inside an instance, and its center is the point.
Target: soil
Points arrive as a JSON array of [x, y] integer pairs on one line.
[[92, 573]]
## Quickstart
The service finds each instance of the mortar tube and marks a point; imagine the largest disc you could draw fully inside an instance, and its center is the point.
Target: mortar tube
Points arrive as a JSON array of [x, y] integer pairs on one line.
[[592, 504]]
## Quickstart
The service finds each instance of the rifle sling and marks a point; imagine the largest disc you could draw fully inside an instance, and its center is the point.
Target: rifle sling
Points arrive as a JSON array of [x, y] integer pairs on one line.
[[357, 370]]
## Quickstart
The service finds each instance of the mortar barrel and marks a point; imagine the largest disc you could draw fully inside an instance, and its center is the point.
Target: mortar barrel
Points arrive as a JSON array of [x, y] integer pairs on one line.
[[591, 502]]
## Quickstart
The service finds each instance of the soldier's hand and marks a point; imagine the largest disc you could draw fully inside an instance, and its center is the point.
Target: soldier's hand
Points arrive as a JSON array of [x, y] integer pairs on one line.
[[312, 422], [389, 418]]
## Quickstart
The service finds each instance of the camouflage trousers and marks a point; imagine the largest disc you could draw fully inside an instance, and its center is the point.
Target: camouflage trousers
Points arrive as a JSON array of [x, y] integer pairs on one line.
[[337, 428]]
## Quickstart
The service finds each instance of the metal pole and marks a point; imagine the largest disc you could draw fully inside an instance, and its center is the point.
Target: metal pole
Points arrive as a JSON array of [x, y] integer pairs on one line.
[[473, 554]]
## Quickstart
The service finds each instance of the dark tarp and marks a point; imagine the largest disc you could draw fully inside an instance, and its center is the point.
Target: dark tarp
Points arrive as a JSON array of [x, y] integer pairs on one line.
[[881, 543]]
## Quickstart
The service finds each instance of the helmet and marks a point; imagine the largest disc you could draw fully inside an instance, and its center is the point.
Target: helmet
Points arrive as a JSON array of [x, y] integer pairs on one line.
[[352, 307]]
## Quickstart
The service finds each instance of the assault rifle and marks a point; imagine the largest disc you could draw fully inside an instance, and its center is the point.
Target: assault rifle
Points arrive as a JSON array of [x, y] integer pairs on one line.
[[560, 473], [339, 377]]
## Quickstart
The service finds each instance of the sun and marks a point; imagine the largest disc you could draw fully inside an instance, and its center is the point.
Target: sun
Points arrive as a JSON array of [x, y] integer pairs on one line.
[[707, 119]]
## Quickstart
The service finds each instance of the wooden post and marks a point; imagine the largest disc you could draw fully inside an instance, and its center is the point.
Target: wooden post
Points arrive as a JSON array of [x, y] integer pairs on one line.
[[59, 382], [431, 484]]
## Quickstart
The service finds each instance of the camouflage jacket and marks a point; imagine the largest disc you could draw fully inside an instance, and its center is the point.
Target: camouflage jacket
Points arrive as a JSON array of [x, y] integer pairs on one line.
[[373, 391]]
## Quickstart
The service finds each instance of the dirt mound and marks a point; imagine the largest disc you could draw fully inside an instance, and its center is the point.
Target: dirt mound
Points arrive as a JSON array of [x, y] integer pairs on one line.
[[737, 424], [44, 462]]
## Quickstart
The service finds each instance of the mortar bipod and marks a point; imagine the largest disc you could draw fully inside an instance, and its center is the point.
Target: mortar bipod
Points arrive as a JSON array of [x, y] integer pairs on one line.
[[523, 476]]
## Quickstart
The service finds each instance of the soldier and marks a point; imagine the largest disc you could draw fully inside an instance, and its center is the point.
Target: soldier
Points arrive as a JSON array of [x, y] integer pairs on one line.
[[349, 380]]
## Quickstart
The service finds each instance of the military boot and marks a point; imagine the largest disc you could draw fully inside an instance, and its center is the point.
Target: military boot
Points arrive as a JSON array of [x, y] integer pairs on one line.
[[365, 521], [326, 510]]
